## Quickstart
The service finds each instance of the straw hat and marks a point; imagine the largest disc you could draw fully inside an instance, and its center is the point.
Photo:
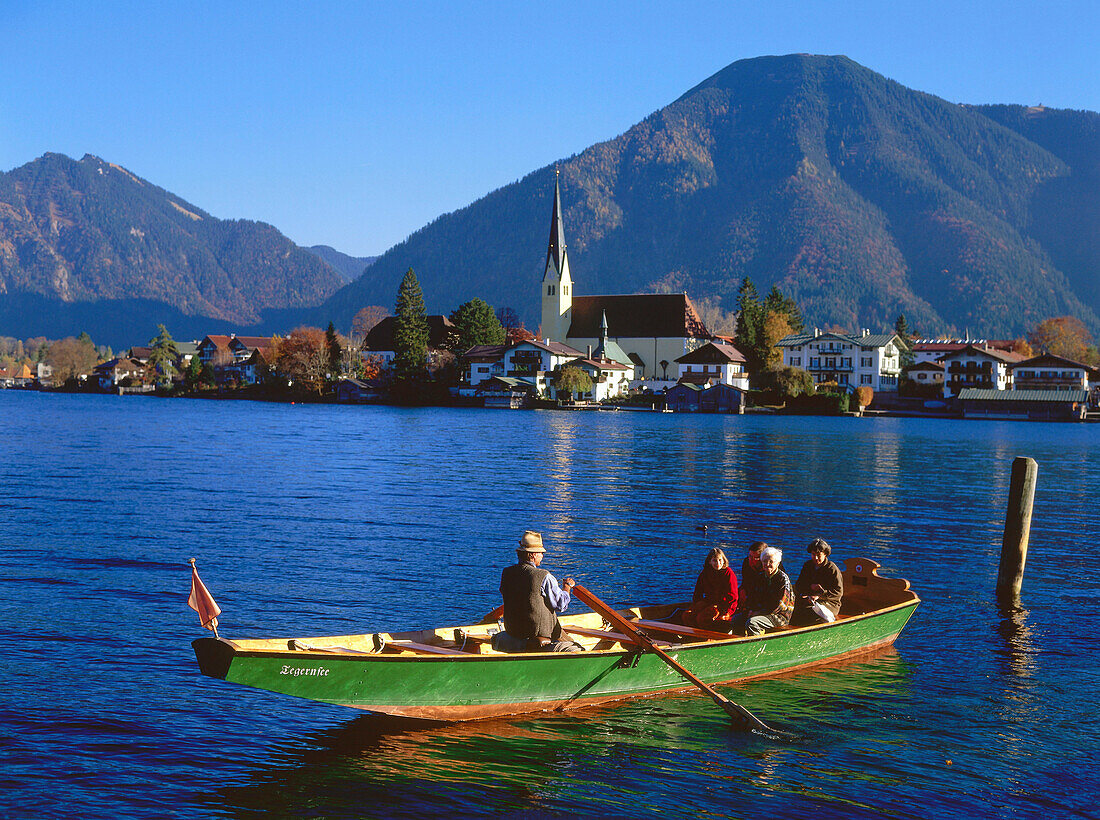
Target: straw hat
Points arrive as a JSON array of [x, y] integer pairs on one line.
[[531, 542]]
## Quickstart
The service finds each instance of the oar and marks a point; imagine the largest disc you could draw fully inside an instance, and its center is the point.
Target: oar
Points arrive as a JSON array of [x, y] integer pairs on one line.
[[734, 710]]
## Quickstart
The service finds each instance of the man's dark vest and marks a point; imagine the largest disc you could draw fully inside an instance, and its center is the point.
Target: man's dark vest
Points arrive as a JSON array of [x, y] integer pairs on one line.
[[526, 613]]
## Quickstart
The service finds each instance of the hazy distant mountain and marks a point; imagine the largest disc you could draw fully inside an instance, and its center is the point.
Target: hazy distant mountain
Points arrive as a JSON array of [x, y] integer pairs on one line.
[[861, 198], [86, 245], [349, 267]]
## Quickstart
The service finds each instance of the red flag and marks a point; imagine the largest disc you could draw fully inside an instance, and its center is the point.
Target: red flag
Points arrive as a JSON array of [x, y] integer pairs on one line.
[[202, 601]]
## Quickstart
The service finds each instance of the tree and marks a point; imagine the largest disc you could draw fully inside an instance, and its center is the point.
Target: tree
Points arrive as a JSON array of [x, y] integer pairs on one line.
[[864, 395], [776, 326], [515, 335], [410, 336], [477, 325], [1021, 347], [508, 318], [164, 356], [750, 321], [778, 303], [366, 319], [332, 346], [901, 327], [788, 382], [1064, 336], [70, 358], [303, 358], [718, 321], [571, 379]]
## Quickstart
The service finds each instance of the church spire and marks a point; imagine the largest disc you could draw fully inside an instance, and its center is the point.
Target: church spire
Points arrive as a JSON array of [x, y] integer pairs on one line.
[[556, 250]]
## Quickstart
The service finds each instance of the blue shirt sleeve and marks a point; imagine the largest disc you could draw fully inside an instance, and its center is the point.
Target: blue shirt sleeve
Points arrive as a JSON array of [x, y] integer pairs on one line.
[[557, 597]]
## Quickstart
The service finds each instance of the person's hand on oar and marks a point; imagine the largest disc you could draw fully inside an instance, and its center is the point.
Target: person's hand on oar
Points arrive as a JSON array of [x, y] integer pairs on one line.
[[739, 713]]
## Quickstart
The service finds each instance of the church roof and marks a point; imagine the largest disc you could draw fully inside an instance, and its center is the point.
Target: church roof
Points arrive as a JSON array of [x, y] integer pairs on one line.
[[652, 315]]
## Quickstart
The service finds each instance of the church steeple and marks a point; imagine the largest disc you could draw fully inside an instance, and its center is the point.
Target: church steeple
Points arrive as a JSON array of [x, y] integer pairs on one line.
[[557, 284], [555, 252]]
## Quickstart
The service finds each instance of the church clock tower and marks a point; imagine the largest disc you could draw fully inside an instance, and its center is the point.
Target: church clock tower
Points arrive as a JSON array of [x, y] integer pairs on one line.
[[557, 285]]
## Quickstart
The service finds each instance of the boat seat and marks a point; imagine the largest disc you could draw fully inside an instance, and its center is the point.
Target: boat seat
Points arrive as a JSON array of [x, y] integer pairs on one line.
[[683, 631], [605, 635], [302, 646], [423, 648]]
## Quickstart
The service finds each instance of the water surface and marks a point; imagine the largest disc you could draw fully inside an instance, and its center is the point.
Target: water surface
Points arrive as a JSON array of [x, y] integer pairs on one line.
[[326, 520]]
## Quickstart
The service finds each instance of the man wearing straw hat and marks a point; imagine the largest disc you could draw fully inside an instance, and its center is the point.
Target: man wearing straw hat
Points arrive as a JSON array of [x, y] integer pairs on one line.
[[532, 601]]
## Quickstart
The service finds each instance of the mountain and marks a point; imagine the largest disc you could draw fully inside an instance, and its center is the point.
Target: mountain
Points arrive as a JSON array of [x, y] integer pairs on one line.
[[859, 197], [87, 245], [349, 267]]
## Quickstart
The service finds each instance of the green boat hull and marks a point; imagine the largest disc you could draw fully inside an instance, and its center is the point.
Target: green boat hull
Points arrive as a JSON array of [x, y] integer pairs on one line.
[[474, 686]]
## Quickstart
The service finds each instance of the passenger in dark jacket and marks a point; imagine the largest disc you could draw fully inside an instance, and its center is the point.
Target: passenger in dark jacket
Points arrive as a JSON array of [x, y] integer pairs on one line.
[[820, 583]]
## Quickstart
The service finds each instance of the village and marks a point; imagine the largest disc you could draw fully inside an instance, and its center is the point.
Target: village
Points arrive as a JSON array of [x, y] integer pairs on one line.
[[636, 351]]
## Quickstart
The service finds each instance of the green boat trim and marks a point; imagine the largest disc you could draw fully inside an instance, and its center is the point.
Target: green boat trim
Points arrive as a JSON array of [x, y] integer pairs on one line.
[[452, 674]]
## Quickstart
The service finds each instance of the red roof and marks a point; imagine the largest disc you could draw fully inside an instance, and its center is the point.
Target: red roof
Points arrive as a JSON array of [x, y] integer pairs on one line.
[[712, 353]]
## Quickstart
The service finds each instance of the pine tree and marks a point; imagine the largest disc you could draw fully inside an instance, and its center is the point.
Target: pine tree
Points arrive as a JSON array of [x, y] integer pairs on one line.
[[410, 335], [477, 325], [750, 325], [335, 353], [164, 355], [901, 327]]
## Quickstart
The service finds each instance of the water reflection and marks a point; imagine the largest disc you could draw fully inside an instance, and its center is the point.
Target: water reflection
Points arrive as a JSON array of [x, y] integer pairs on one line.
[[614, 754]]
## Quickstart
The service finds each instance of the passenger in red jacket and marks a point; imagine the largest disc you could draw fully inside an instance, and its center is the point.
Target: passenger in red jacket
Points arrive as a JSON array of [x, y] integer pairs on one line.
[[715, 598]]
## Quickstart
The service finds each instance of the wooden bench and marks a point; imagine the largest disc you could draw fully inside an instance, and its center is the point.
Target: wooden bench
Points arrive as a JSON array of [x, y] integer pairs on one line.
[[422, 648], [683, 631], [605, 635]]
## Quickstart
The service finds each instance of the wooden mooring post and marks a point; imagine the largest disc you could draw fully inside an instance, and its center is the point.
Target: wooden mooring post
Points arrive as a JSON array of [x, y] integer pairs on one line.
[[1021, 496]]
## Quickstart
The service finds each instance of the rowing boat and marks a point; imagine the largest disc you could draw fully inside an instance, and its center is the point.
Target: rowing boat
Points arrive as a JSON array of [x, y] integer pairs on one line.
[[452, 673]]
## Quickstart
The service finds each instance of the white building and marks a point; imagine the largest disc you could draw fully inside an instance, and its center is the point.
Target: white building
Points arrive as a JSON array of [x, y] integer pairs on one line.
[[535, 362], [977, 367], [869, 359]]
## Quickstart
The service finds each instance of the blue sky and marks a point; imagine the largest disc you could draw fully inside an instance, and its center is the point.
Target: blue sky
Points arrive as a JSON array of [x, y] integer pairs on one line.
[[353, 124]]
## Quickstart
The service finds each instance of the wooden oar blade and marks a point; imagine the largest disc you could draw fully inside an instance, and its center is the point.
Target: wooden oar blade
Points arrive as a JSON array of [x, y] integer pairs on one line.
[[741, 716]]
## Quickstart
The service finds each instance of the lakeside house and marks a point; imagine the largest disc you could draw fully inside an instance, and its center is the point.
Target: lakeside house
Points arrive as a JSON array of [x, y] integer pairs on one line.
[[714, 363], [869, 359], [981, 368], [932, 350]]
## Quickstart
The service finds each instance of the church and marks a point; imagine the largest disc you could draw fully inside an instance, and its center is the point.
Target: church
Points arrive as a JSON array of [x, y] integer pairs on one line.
[[651, 330]]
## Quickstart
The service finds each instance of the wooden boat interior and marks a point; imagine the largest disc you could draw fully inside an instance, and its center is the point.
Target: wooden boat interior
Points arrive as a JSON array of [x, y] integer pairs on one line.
[[865, 592]]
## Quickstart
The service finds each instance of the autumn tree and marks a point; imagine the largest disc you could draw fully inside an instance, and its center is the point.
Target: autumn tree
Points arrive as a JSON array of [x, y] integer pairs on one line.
[[864, 395], [718, 321], [71, 358], [366, 319], [1064, 336], [477, 325], [1021, 347], [410, 336], [515, 335], [164, 356], [776, 326], [572, 380], [303, 357]]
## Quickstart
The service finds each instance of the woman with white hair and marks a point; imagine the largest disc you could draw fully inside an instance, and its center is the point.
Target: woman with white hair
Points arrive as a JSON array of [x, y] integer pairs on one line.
[[776, 597]]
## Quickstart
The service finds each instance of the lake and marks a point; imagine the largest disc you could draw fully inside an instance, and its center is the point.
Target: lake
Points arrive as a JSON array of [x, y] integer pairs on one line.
[[322, 519]]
